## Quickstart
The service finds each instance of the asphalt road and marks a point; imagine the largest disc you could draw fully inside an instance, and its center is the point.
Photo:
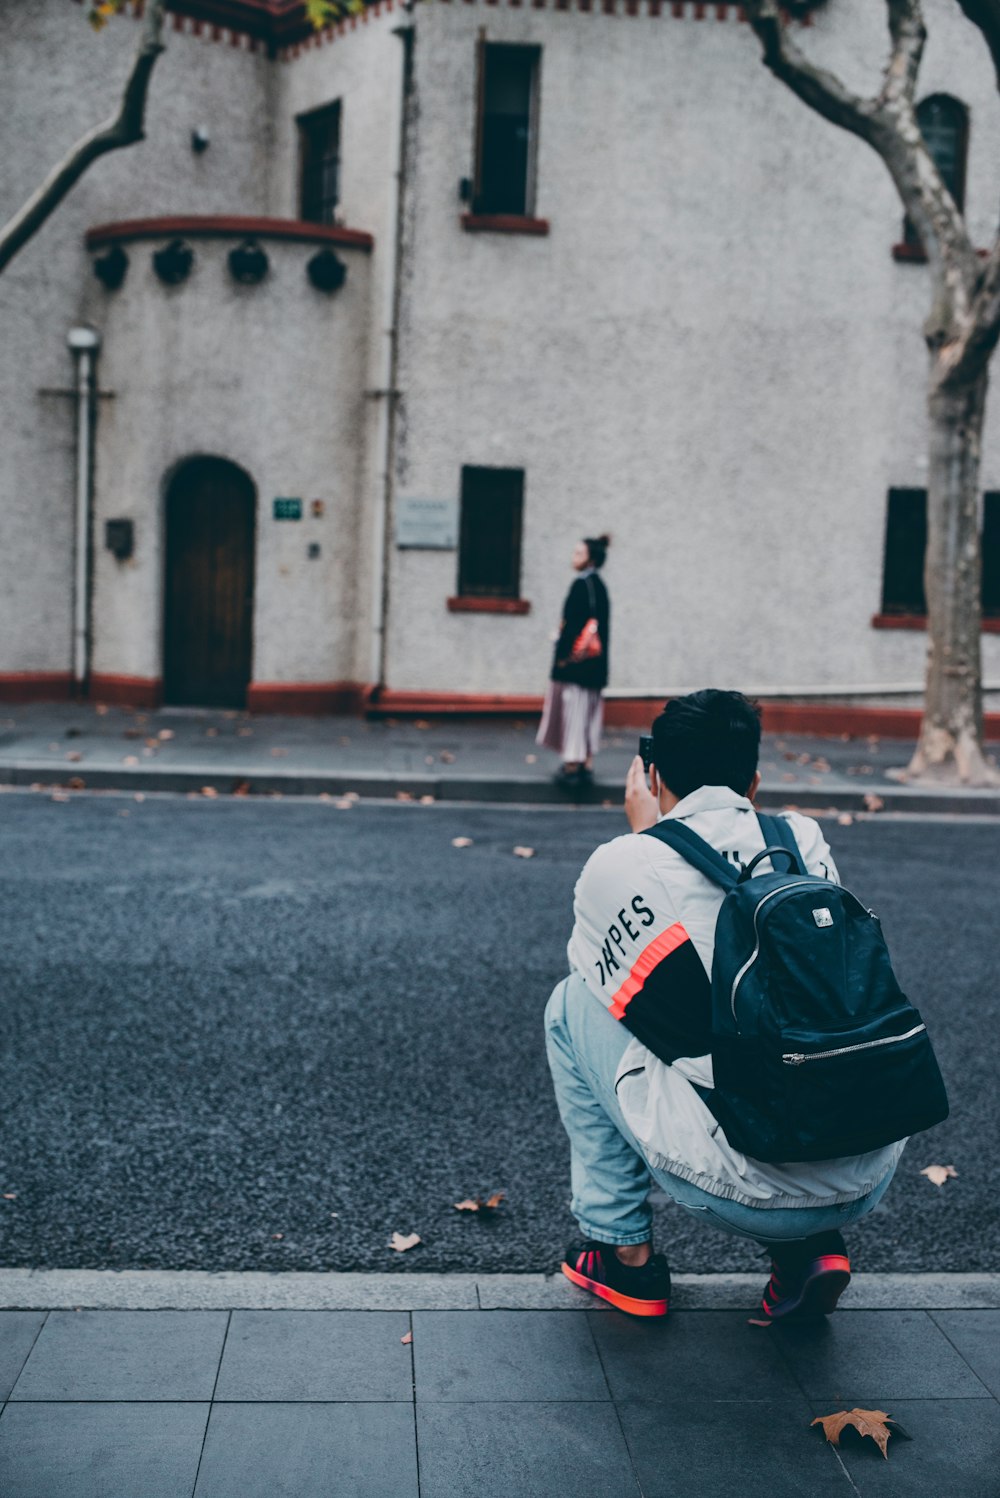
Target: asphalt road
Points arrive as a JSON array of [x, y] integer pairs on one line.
[[245, 1035]]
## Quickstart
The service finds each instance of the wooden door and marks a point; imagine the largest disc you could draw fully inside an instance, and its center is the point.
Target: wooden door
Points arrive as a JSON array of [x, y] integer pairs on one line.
[[208, 601]]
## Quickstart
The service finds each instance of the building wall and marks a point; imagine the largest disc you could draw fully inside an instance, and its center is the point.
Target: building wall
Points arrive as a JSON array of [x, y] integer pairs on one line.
[[57, 79], [712, 354]]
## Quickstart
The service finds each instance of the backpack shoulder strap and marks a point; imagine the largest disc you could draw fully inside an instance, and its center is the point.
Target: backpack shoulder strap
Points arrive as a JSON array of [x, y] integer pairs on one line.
[[694, 849], [778, 834]]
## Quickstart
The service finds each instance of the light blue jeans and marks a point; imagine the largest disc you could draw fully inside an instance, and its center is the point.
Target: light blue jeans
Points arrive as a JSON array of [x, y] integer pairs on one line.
[[609, 1177]]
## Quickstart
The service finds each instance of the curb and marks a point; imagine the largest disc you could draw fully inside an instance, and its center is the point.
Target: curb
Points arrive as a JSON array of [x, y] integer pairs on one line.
[[201, 1290], [512, 790]]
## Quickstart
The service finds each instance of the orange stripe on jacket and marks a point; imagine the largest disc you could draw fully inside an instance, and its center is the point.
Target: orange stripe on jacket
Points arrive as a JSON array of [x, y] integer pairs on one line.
[[661, 946]]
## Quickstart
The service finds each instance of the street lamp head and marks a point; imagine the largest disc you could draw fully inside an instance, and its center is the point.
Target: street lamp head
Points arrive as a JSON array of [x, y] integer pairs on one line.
[[83, 338]]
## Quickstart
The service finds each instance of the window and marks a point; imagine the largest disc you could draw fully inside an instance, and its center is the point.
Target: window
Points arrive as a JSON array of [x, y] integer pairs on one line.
[[489, 545], [991, 556], [905, 544], [319, 156], [944, 124], [507, 129]]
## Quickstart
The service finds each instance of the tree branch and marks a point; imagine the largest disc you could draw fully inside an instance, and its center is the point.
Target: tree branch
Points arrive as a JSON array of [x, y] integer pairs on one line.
[[986, 15], [964, 358], [821, 90], [123, 129], [908, 33]]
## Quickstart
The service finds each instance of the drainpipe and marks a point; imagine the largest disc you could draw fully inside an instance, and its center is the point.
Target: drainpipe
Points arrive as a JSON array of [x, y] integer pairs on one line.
[[387, 394], [84, 344]]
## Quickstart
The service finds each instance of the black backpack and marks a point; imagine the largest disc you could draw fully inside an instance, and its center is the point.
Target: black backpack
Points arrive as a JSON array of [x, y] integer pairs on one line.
[[816, 1051]]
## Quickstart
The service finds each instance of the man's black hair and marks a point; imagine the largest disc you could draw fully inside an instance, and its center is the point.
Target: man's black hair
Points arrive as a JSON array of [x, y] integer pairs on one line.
[[707, 738]]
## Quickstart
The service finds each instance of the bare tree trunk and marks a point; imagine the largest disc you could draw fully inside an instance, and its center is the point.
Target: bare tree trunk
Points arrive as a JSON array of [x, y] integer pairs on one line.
[[951, 731], [124, 129]]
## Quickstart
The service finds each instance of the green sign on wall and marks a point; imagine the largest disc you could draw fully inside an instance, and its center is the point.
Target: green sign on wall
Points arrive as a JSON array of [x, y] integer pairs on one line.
[[288, 509]]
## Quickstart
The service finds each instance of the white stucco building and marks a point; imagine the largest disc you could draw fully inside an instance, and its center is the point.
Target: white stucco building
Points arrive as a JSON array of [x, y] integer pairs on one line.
[[507, 272]]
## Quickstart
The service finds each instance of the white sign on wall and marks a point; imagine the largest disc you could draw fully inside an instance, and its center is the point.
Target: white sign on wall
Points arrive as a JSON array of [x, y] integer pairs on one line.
[[430, 524]]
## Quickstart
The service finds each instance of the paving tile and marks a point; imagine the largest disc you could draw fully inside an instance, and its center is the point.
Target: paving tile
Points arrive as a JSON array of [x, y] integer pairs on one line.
[[317, 1355], [718, 1448], [100, 1450], [878, 1354], [499, 1355], [976, 1334], [309, 1451], [124, 1355], [18, 1330], [513, 1450], [712, 1350], [954, 1453]]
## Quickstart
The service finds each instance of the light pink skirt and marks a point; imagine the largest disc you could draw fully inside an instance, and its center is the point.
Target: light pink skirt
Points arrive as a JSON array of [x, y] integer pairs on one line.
[[571, 721]]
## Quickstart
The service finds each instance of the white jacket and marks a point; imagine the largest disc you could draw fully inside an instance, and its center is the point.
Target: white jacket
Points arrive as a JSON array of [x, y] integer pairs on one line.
[[643, 938]]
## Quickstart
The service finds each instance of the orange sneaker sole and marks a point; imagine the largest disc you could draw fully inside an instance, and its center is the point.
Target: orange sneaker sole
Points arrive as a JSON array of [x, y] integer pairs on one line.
[[621, 1302], [819, 1295]]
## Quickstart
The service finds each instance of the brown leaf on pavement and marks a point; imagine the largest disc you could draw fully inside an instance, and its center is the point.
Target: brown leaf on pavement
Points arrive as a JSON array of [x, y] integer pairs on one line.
[[421, 723], [524, 852], [494, 1201], [461, 842], [446, 757], [76, 783], [10, 1196], [477, 1204], [873, 802], [209, 790], [130, 759], [531, 759], [164, 733], [404, 795], [243, 789], [152, 743], [100, 708], [822, 765], [407, 1339], [401, 1244], [938, 1174], [427, 801], [845, 819], [865, 1422], [74, 756]]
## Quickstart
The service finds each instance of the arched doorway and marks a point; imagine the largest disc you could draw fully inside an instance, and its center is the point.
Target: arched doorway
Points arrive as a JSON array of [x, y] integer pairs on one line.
[[208, 597]]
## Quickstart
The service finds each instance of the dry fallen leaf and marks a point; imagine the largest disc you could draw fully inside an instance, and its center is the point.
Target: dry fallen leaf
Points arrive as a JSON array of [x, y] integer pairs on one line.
[[404, 796], [100, 709], [865, 1422], [845, 819], [524, 852], [427, 801], [130, 759], [938, 1174], [873, 802], [407, 1339], [139, 797], [344, 803], [446, 757], [74, 756], [209, 790], [243, 789], [822, 765], [75, 783], [152, 743], [10, 1196], [477, 1204], [164, 733], [420, 723], [461, 842], [531, 759], [401, 1243]]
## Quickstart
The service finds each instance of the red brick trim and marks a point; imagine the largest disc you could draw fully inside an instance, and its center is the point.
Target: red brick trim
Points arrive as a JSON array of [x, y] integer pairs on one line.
[[988, 626], [389, 703], [503, 223], [307, 697], [828, 718], [35, 686], [489, 606], [917, 255], [195, 224], [126, 691]]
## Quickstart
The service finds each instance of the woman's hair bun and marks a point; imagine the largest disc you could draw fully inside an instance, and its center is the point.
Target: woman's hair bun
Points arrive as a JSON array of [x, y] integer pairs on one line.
[[598, 548]]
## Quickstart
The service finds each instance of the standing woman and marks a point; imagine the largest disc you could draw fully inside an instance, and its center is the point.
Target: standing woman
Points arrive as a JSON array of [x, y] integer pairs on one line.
[[573, 711]]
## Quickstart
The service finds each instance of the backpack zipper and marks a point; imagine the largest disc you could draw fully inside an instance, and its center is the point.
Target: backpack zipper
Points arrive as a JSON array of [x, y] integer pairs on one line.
[[796, 1058], [754, 954]]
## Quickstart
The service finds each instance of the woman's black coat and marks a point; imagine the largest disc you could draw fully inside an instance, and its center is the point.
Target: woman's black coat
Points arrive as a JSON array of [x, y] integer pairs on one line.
[[586, 599]]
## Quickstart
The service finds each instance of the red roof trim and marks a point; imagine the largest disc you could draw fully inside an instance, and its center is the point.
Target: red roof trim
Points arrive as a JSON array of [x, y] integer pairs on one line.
[[197, 224], [503, 223], [988, 624]]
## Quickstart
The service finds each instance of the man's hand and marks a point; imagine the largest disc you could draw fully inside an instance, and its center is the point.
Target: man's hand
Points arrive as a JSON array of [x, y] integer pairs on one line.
[[641, 805]]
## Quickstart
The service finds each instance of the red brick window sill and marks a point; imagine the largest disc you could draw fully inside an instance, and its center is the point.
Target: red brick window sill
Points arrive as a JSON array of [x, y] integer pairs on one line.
[[917, 255], [990, 626], [489, 606], [503, 223]]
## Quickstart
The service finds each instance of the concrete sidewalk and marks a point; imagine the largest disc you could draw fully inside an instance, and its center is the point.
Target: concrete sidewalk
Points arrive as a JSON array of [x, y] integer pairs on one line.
[[82, 747], [414, 1397]]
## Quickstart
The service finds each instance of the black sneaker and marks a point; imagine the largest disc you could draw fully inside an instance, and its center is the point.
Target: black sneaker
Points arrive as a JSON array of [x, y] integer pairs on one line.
[[807, 1280], [641, 1292]]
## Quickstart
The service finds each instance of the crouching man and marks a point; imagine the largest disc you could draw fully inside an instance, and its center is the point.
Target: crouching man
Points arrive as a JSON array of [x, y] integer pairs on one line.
[[638, 1106]]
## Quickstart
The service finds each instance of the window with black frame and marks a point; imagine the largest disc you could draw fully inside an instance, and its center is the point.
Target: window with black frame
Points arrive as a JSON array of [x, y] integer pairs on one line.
[[507, 131], [944, 124], [319, 154], [906, 545], [489, 545]]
